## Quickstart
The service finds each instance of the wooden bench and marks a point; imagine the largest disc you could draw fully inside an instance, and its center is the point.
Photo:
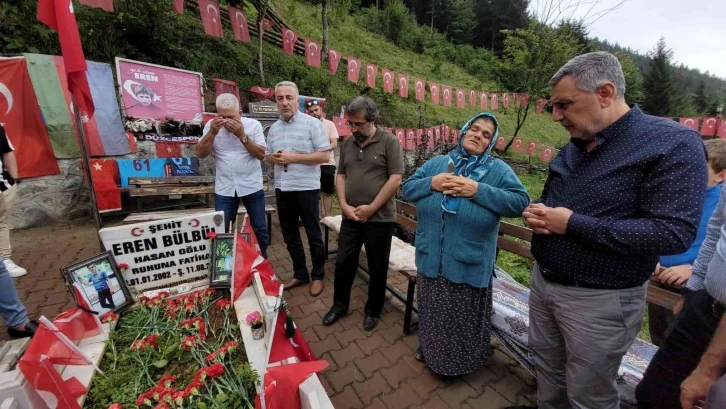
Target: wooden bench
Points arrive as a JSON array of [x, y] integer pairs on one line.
[[171, 186]]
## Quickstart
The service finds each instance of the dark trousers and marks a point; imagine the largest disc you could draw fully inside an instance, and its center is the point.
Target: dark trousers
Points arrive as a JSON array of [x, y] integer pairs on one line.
[[377, 239], [659, 319], [679, 353], [106, 299], [302, 205], [255, 205]]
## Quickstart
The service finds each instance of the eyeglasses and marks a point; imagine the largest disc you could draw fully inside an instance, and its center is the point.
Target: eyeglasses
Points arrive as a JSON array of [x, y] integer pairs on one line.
[[356, 124]]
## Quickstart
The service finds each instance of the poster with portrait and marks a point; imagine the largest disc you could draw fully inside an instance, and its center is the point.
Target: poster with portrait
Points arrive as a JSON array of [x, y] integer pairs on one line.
[[100, 282], [223, 261], [154, 91]]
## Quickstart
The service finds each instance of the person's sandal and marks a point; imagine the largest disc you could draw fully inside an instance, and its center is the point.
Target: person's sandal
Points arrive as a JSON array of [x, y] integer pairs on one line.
[[419, 355]]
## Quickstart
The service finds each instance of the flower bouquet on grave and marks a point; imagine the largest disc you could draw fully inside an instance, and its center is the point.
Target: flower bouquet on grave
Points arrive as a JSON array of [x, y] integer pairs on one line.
[[256, 323]]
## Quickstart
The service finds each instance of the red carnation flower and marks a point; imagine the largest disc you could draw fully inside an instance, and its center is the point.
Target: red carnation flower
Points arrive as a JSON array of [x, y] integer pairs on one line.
[[223, 304], [111, 316], [211, 235], [180, 397], [193, 388], [144, 399], [166, 381], [115, 406], [152, 340], [139, 345], [189, 343]]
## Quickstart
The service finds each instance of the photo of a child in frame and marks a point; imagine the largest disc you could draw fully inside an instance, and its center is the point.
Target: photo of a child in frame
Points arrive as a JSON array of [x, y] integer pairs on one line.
[[100, 284]]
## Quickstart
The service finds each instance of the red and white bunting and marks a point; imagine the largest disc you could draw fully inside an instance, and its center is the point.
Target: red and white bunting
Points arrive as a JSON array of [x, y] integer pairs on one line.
[[240, 26], [177, 6], [540, 105], [403, 85], [515, 99], [708, 128], [501, 143], [353, 69], [410, 140], [532, 148], [460, 98], [523, 100], [483, 101], [264, 92], [495, 101], [289, 38], [106, 5], [446, 91], [312, 53], [371, 74], [518, 145], [435, 90], [401, 136], [505, 100], [721, 133], [472, 98], [211, 18], [267, 24], [420, 86], [547, 154], [388, 78], [334, 57], [690, 122]]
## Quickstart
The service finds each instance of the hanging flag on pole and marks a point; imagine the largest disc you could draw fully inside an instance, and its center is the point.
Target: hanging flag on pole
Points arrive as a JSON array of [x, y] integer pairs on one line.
[[211, 18], [239, 23], [353, 69], [312, 53], [289, 38]]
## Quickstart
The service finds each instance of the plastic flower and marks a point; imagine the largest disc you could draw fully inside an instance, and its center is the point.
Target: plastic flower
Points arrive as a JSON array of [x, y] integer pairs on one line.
[[139, 345], [223, 304], [166, 381], [111, 316], [115, 406], [123, 267], [189, 343], [253, 318], [151, 340]]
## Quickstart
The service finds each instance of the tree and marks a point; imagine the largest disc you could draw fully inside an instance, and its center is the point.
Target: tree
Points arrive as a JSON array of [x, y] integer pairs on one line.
[[633, 78], [462, 26], [324, 13], [493, 16], [658, 84], [531, 57], [701, 101], [262, 6]]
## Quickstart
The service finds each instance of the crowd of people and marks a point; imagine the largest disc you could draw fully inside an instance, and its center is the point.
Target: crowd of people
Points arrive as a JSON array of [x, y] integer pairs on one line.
[[631, 197]]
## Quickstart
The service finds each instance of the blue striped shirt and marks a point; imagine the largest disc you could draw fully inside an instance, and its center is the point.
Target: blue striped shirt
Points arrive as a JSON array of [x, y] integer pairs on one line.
[[709, 269], [302, 134]]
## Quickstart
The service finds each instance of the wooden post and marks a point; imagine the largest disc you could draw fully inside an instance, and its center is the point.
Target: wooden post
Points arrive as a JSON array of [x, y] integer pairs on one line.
[[87, 169]]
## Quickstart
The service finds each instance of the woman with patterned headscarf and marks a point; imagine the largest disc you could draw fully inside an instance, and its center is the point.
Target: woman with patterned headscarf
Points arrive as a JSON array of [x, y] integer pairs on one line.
[[459, 199]]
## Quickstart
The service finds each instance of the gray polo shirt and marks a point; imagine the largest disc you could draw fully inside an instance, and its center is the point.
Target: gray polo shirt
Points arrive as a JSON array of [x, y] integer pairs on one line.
[[367, 169]]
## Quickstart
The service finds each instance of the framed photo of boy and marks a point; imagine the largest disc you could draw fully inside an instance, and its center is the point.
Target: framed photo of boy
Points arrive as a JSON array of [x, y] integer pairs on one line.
[[220, 272], [100, 282]]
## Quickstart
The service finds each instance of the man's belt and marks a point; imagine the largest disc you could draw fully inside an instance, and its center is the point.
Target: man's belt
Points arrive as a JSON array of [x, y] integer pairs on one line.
[[553, 277]]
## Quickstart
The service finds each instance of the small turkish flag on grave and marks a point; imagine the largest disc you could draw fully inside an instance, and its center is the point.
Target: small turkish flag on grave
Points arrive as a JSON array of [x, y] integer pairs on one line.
[[547, 154], [388, 77], [518, 145], [446, 91], [420, 89], [709, 126], [531, 148], [460, 99], [403, 85], [540, 105], [690, 122], [501, 143], [435, 89], [333, 60], [240, 26], [483, 101], [312, 53], [495, 101], [211, 18], [289, 38], [353, 69], [401, 136], [371, 74]]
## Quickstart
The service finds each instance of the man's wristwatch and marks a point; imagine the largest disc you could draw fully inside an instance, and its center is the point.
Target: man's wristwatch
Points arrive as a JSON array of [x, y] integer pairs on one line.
[[244, 139]]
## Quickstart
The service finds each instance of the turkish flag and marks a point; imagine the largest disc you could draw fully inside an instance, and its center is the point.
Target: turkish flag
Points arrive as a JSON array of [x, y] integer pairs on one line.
[[341, 125], [531, 148], [57, 393], [353, 69], [483, 101], [388, 77], [419, 137], [437, 134], [333, 61], [518, 145], [312, 53], [106, 5], [523, 100], [501, 143], [23, 121], [211, 18], [403, 85], [247, 262], [420, 89], [472, 98], [455, 135], [168, 150], [430, 138], [540, 105], [249, 232], [446, 91], [105, 176], [79, 322], [410, 140], [435, 89], [284, 347], [690, 122], [264, 92], [226, 87], [371, 74], [289, 38], [401, 136], [708, 128], [239, 23], [721, 133], [267, 24], [460, 99], [505, 100], [282, 383], [447, 133], [50, 341], [495, 101], [178, 6], [58, 15], [547, 154]]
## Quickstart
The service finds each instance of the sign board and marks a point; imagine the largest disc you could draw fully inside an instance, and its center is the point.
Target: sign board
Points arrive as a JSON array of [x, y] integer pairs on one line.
[[267, 108], [154, 91], [164, 253]]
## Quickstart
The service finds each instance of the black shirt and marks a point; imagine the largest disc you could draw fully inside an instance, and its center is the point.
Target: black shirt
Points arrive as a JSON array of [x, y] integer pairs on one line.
[[636, 196], [5, 147]]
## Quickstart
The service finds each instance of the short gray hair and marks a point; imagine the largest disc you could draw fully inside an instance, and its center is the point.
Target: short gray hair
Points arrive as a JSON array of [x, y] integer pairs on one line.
[[363, 104], [226, 101], [592, 70], [287, 84]]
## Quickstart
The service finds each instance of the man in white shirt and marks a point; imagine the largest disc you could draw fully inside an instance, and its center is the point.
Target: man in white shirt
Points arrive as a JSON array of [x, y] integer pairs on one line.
[[238, 145], [327, 170]]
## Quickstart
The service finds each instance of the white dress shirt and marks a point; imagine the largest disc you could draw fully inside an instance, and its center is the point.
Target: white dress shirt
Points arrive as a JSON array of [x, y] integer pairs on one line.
[[237, 171]]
